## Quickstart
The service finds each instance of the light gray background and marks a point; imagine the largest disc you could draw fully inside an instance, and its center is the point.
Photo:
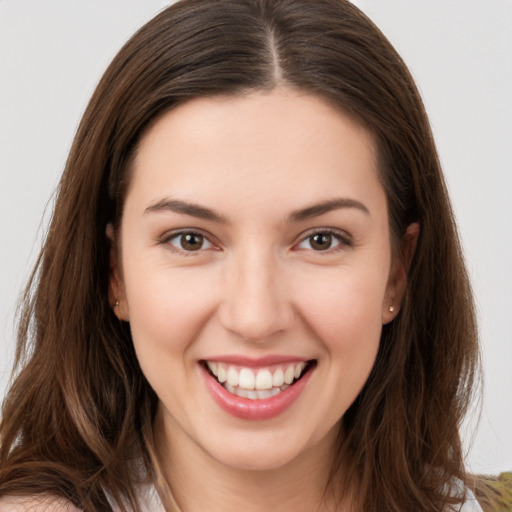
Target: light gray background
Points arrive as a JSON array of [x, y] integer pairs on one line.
[[53, 52]]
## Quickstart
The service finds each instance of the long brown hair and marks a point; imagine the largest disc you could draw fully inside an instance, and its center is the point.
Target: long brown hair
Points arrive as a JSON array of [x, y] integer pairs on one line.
[[80, 412]]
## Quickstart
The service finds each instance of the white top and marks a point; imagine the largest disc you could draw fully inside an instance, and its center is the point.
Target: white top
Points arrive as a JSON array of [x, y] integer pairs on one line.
[[470, 505], [150, 502]]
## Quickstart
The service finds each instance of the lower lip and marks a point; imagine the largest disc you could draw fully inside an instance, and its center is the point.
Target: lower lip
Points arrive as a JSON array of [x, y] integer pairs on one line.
[[261, 409]]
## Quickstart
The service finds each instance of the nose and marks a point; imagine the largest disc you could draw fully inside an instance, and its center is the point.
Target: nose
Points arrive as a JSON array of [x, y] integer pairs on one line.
[[255, 304]]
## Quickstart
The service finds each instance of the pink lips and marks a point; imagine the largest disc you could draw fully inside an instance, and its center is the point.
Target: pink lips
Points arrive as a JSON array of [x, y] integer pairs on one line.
[[262, 409], [257, 362]]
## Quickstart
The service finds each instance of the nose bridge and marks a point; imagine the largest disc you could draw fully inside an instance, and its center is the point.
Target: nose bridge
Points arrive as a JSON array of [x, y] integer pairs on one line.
[[255, 304]]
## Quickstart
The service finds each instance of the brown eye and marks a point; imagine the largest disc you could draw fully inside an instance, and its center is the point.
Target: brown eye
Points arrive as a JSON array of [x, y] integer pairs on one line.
[[190, 241], [321, 241]]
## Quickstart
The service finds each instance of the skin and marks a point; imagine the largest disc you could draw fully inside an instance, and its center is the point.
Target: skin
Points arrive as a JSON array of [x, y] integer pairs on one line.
[[257, 286]]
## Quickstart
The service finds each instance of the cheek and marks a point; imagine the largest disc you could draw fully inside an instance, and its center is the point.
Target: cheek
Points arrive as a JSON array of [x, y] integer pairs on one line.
[[343, 306], [345, 317], [346, 322], [167, 311], [167, 308]]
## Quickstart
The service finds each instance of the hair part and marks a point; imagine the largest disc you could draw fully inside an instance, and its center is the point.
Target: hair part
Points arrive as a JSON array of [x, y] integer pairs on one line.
[[80, 411]]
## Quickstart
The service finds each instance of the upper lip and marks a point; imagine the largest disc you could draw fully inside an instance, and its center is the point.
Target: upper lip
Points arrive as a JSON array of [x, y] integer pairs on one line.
[[256, 362]]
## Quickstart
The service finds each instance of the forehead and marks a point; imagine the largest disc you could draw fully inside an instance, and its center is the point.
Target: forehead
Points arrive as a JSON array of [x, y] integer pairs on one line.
[[265, 143]]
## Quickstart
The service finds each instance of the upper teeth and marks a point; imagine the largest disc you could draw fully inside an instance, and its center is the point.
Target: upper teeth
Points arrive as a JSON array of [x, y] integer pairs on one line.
[[249, 378]]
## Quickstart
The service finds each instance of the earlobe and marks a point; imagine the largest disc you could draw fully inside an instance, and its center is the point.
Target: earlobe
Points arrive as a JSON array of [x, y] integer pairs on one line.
[[116, 293], [398, 276]]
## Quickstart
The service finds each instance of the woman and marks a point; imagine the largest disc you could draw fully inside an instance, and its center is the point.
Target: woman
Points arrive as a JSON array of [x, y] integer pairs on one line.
[[252, 293]]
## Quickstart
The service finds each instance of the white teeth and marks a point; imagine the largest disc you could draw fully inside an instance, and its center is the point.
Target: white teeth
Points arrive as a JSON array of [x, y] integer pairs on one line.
[[241, 392], [246, 393], [263, 380], [298, 370], [278, 378], [213, 367], [253, 395], [232, 376], [263, 384], [246, 379], [264, 393], [221, 373], [289, 374]]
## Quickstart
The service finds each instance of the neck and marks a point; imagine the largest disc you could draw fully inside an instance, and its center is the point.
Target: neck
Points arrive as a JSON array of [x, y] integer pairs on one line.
[[199, 482]]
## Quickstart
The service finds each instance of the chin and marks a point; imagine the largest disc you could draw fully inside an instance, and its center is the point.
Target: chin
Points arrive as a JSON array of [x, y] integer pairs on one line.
[[267, 450], [257, 460]]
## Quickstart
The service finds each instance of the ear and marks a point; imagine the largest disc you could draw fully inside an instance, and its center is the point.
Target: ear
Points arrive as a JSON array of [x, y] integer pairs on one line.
[[116, 292], [398, 276]]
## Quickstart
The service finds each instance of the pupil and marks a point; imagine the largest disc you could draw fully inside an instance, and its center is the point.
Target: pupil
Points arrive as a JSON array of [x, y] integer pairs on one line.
[[191, 242], [321, 241]]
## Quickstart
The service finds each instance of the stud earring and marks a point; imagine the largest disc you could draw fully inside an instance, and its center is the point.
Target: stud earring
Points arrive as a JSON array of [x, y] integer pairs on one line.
[[391, 309], [116, 304]]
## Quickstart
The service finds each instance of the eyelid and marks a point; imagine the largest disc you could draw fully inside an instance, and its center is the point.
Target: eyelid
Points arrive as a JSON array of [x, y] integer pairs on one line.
[[166, 238], [344, 238]]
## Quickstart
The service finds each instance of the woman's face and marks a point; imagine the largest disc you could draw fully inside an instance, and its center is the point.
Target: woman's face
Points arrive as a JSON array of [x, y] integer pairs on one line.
[[254, 249]]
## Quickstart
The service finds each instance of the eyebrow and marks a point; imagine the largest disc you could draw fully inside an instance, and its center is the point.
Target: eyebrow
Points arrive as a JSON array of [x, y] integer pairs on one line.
[[186, 208], [201, 212], [325, 207]]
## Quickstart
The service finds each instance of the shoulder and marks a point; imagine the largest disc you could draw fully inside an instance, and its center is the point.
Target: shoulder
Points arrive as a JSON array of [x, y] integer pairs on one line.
[[35, 504], [470, 503]]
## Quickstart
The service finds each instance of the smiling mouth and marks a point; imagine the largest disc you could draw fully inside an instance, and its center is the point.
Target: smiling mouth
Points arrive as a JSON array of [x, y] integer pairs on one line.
[[258, 383]]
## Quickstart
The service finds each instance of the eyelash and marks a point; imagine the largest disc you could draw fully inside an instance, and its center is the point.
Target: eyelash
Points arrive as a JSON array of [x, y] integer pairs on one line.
[[168, 238], [343, 239]]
